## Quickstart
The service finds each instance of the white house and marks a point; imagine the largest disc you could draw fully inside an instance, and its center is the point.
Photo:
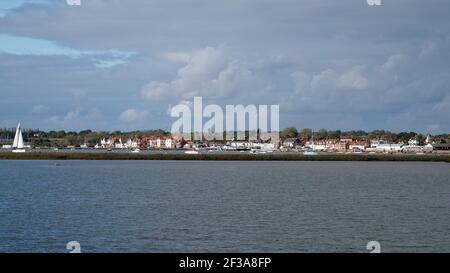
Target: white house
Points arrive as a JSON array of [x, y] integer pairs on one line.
[[291, 142], [358, 145], [107, 143], [131, 144], [413, 146], [160, 142], [384, 146], [120, 145]]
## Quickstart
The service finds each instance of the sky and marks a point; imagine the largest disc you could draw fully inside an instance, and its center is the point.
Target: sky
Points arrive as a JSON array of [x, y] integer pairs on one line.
[[121, 64]]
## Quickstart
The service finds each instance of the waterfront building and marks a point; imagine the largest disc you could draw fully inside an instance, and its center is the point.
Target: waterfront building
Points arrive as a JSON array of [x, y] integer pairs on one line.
[[119, 144], [132, 144], [413, 146], [359, 145], [159, 142], [383, 146], [291, 143], [442, 147], [317, 145], [107, 143]]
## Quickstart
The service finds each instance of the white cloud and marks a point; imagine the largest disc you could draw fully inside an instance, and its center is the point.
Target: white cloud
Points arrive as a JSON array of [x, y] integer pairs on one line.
[[434, 127], [38, 109], [177, 57], [76, 119], [326, 79], [302, 81], [211, 73], [394, 61], [352, 79], [132, 115], [429, 48]]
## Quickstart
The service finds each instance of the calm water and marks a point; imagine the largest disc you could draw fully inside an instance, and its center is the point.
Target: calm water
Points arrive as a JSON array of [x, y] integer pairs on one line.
[[179, 206]]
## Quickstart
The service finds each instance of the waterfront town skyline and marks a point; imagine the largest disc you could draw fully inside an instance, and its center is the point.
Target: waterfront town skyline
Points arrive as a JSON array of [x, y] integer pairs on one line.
[[290, 139]]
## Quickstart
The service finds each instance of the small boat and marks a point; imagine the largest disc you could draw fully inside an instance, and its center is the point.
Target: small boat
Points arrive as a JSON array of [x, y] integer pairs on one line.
[[18, 146], [191, 152], [135, 151], [257, 150], [310, 152], [214, 149]]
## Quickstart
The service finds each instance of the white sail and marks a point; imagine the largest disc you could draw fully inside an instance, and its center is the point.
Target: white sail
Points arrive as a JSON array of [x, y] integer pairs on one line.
[[20, 141], [16, 137]]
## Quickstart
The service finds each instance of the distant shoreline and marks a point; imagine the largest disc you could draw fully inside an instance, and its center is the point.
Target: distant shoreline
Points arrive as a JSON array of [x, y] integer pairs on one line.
[[222, 157]]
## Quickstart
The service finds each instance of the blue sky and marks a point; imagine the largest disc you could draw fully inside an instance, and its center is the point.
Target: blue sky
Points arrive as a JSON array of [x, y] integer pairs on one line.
[[7, 5], [25, 46], [119, 65]]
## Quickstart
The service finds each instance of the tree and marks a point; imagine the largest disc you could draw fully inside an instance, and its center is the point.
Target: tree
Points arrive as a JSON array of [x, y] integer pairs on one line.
[[334, 134], [85, 132], [322, 134], [289, 132], [305, 133]]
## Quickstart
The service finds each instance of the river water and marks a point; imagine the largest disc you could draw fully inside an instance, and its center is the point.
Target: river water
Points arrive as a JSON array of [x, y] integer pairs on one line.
[[217, 206]]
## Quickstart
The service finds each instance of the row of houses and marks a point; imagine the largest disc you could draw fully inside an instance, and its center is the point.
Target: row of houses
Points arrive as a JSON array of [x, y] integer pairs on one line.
[[354, 145], [148, 142], [290, 144], [167, 142], [343, 144]]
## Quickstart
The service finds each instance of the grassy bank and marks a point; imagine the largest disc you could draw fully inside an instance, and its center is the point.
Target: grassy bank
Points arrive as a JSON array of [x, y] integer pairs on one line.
[[222, 156]]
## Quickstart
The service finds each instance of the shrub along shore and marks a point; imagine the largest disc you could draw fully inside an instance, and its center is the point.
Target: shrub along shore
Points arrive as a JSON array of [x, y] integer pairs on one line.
[[222, 156]]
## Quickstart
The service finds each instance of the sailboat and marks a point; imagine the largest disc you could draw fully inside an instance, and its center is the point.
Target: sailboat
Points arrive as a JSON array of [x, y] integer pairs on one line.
[[18, 146]]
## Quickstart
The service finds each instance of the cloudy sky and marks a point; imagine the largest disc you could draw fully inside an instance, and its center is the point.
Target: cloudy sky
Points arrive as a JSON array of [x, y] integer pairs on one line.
[[120, 64]]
